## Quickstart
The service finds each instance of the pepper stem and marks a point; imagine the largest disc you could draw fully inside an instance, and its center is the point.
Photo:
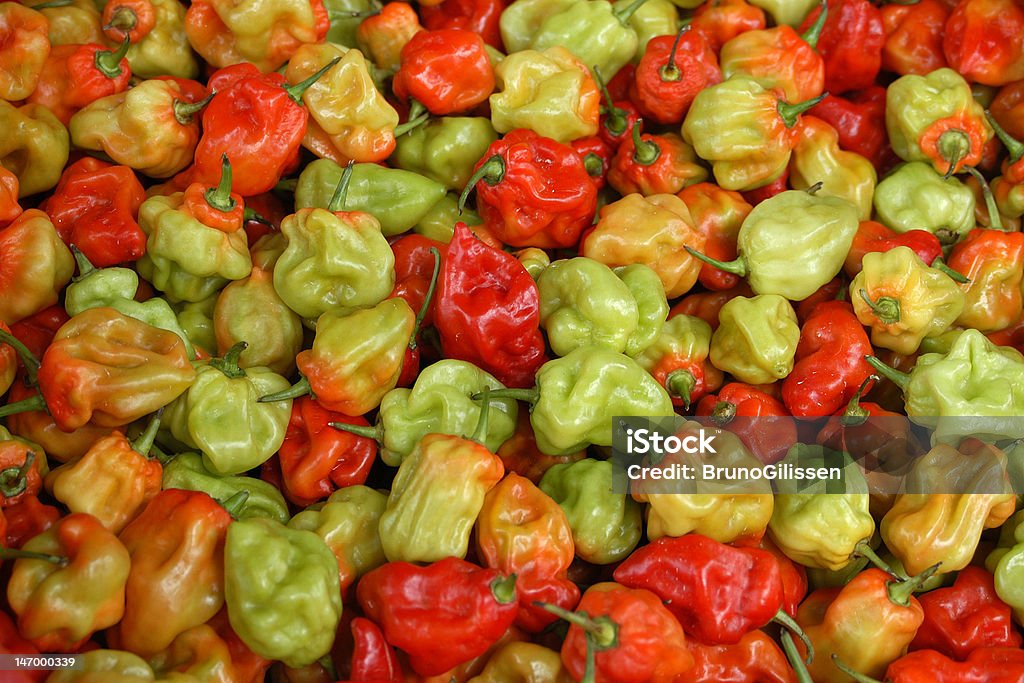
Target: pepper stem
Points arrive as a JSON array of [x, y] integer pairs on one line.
[[124, 19], [28, 359], [108, 62], [646, 152], [864, 549], [220, 197], [593, 165], [296, 91], [184, 111], [234, 504], [51, 4], [250, 214], [953, 146], [491, 172], [418, 115], [376, 432], [15, 554], [337, 202], [900, 379], [736, 267], [995, 221], [286, 185], [14, 479], [504, 589], [783, 619], [530, 395], [813, 34], [603, 630], [795, 660], [723, 413], [624, 14], [300, 388], [857, 676], [681, 383], [790, 113], [670, 72], [886, 309], [1014, 146], [25, 405], [228, 364], [144, 442], [900, 590], [939, 264], [615, 121], [85, 266], [480, 433], [855, 414], [422, 313]]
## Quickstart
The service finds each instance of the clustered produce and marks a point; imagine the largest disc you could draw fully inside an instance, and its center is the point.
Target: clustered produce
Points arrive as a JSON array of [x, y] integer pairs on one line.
[[318, 318]]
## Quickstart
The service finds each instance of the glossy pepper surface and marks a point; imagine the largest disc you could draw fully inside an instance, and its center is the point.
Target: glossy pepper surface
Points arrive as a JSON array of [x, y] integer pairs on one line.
[[187, 471]]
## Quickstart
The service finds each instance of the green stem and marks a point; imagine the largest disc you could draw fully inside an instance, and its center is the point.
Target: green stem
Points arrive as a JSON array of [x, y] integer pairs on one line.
[[864, 549], [25, 405], [855, 414], [184, 111], [624, 14], [144, 442], [783, 619], [1014, 146], [418, 115], [296, 91], [593, 164], [530, 395], [161, 455], [480, 433], [939, 264], [900, 379], [491, 172], [670, 73], [813, 34], [723, 413], [14, 479], [300, 388], [51, 4], [813, 189], [250, 214], [220, 197], [27, 358], [857, 676], [85, 266], [615, 120], [504, 589], [994, 219], [15, 554], [646, 152], [108, 62], [681, 383], [228, 364], [337, 202], [286, 185], [603, 630], [234, 504], [422, 313], [795, 660], [900, 591], [736, 267], [886, 309], [953, 146], [124, 20], [790, 113], [376, 432]]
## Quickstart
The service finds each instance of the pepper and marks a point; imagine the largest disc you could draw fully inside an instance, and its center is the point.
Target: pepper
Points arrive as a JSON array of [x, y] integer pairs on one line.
[[915, 196], [968, 491], [769, 436], [36, 266], [671, 71], [548, 91], [94, 207], [597, 157], [872, 237], [718, 215], [830, 363], [533, 191], [903, 300], [654, 164], [783, 12], [821, 530], [38, 426], [488, 310], [678, 359], [23, 466], [196, 318], [651, 19], [445, 149], [28, 519], [755, 659], [520, 20], [9, 207], [152, 127], [722, 20], [993, 262], [859, 120], [187, 471], [965, 617], [73, 585], [73, 23], [417, 265], [156, 29], [757, 338], [225, 33], [526, 662], [397, 199], [447, 71], [817, 158], [994, 664], [200, 652], [850, 44], [606, 525], [25, 51], [623, 635], [457, 603], [979, 41], [8, 359], [382, 36], [348, 522], [1006, 109], [1008, 189], [349, 119], [373, 658], [914, 37], [521, 530], [117, 666], [282, 591], [479, 16], [75, 75], [521, 455], [35, 148], [113, 481]]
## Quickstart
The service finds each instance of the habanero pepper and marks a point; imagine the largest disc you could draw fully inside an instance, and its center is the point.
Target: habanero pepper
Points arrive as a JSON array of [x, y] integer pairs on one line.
[[1007, 108], [718, 214], [373, 658], [707, 305], [722, 20], [859, 119], [448, 71], [735, 405], [992, 665], [382, 36], [520, 454], [479, 16], [9, 207], [1008, 189], [678, 359], [34, 266], [617, 116], [76, 75], [22, 468], [597, 157], [671, 71], [850, 44], [981, 41], [28, 519], [873, 236], [913, 36], [756, 658], [155, 29], [26, 47], [993, 262], [654, 164]]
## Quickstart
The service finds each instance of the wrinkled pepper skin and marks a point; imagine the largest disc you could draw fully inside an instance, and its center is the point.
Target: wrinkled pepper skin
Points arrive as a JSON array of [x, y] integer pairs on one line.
[[445, 149], [678, 359], [36, 147], [525, 663], [916, 197], [187, 471], [26, 47], [993, 261], [755, 659], [282, 590], [757, 338], [817, 157], [36, 266]]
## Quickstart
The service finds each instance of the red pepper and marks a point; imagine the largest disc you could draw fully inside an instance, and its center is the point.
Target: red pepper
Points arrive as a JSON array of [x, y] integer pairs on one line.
[[441, 615], [986, 665], [718, 592], [754, 659], [850, 44], [373, 659], [794, 576], [722, 20], [37, 330], [479, 16], [671, 71], [718, 214], [873, 237], [487, 310], [859, 119], [20, 474], [982, 41], [415, 269], [74, 76], [758, 195], [993, 261], [316, 458], [768, 439], [28, 519], [597, 157], [618, 114], [913, 37], [706, 305], [1012, 336], [533, 191], [1007, 108], [95, 207], [447, 71], [133, 19], [654, 164], [830, 363], [11, 643]]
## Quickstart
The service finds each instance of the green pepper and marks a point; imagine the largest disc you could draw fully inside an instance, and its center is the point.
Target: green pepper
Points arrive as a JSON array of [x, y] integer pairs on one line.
[[653, 18], [606, 526], [221, 415], [521, 19], [585, 303], [109, 666], [792, 244], [34, 146], [916, 197], [1006, 562], [345, 16], [789, 12], [818, 530], [396, 198], [164, 50], [756, 338], [439, 222], [445, 149], [196, 319], [282, 591], [347, 521], [187, 471], [116, 287]]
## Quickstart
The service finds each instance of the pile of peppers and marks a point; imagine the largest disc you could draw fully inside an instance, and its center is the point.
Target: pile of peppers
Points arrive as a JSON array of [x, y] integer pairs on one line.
[[315, 314]]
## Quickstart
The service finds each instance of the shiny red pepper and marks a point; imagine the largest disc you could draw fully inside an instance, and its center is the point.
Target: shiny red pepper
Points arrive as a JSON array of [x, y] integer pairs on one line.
[[734, 406], [597, 157], [859, 118], [479, 16], [447, 71], [754, 659], [27, 519], [913, 36], [718, 214], [986, 665], [872, 236], [74, 76], [982, 41], [654, 164], [722, 20], [850, 44], [671, 71], [373, 658]]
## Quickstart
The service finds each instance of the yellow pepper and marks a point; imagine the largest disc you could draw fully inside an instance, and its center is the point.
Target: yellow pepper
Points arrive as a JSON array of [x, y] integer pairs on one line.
[[34, 146]]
